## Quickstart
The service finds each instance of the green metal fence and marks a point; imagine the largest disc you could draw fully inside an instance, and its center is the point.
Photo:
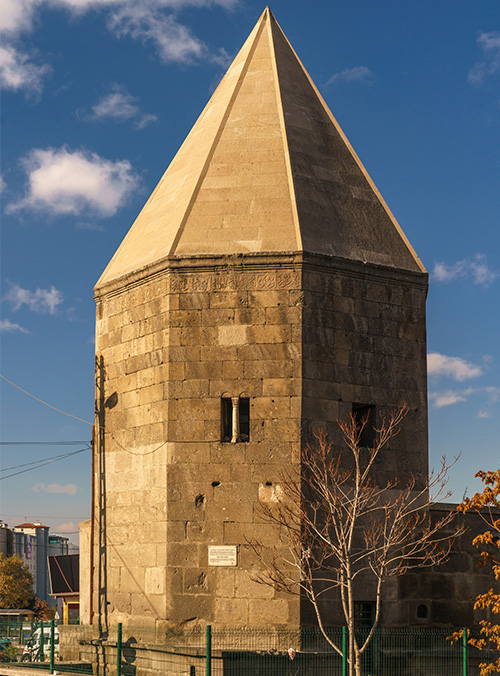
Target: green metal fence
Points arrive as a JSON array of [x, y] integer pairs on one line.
[[221, 651]]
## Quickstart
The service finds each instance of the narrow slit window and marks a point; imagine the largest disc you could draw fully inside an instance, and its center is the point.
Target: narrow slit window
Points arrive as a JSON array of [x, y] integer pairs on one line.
[[226, 419], [244, 415], [235, 419]]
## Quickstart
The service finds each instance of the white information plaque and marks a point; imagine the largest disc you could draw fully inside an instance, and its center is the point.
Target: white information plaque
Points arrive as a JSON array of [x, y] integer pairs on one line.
[[223, 555]]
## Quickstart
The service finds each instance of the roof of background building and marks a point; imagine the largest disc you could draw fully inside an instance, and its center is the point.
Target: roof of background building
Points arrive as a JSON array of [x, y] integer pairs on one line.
[[31, 525], [265, 169], [15, 611], [64, 574]]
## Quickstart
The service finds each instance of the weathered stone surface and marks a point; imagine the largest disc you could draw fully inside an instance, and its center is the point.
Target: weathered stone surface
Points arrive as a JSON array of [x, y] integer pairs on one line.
[[267, 266]]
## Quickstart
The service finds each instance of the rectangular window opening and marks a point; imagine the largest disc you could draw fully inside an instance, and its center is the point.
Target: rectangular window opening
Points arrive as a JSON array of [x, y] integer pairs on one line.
[[226, 419], [362, 413], [244, 414], [235, 419]]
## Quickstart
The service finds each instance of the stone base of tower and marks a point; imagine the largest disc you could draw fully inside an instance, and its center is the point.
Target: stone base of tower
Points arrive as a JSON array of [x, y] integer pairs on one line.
[[171, 347], [300, 341]]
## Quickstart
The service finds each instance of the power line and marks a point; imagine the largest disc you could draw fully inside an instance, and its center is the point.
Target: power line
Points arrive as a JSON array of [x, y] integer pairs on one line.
[[81, 420], [45, 403], [36, 462], [41, 463], [50, 516], [43, 443]]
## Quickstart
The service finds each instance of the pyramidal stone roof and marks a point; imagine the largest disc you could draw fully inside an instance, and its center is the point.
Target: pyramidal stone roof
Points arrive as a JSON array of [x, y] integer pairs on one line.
[[265, 169]]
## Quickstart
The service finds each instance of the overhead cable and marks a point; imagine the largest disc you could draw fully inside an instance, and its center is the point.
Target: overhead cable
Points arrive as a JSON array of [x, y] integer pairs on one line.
[[42, 463], [44, 402], [43, 443], [36, 462]]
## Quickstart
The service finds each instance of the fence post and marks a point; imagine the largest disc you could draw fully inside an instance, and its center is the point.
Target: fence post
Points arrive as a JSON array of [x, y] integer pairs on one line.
[[119, 650], [344, 653], [42, 647], [209, 651], [52, 639], [464, 651]]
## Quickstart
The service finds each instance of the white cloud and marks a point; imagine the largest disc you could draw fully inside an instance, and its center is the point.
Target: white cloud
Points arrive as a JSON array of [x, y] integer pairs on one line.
[[153, 21], [16, 15], [121, 106], [490, 44], [493, 392], [172, 40], [453, 367], [69, 182], [65, 528], [18, 73], [86, 225], [149, 21], [450, 397], [43, 301], [6, 326], [357, 74], [476, 268], [68, 489]]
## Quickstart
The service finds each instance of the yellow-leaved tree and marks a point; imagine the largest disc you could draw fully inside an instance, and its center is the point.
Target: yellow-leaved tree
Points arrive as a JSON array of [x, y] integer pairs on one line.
[[487, 505], [15, 583]]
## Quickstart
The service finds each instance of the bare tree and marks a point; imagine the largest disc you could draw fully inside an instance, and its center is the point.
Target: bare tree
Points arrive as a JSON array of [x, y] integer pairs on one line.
[[336, 526]]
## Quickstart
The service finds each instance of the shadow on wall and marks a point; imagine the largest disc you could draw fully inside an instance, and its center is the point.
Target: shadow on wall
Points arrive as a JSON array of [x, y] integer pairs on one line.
[[129, 655]]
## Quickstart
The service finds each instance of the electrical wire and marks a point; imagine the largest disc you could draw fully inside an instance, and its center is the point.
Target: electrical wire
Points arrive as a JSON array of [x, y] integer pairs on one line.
[[49, 516], [36, 462], [43, 463], [76, 418], [43, 443], [133, 452], [45, 403]]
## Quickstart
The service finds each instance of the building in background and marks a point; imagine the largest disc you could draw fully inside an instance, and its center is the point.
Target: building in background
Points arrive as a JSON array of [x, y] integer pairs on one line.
[[23, 544], [58, 545], [41, 533], [64, 577], [33, 543]]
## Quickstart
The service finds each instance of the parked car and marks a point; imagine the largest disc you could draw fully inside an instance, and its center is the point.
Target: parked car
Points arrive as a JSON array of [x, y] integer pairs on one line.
[[32, 651]]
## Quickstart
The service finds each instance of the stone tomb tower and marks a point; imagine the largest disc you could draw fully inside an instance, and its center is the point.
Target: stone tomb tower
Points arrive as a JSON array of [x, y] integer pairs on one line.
[[264, 290]]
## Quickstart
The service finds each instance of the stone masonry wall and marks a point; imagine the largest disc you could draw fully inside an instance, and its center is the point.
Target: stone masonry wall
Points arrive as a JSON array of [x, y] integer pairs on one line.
[[171, 346], [364, 342], [304, 341]]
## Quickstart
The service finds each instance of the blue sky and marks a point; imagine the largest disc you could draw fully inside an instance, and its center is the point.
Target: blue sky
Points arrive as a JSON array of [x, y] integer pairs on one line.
[[97, 97]]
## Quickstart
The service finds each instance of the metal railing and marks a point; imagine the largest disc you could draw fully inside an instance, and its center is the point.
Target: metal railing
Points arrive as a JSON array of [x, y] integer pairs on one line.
[[126, 650]]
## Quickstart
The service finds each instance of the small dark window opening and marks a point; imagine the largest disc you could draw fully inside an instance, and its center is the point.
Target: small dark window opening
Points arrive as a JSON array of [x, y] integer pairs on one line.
[[235, 413], [226, 418], [362, 413], [422, 611], [244, 413]]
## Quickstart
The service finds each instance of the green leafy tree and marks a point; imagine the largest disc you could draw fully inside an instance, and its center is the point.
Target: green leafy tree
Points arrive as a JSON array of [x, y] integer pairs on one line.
[[15, 583]]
